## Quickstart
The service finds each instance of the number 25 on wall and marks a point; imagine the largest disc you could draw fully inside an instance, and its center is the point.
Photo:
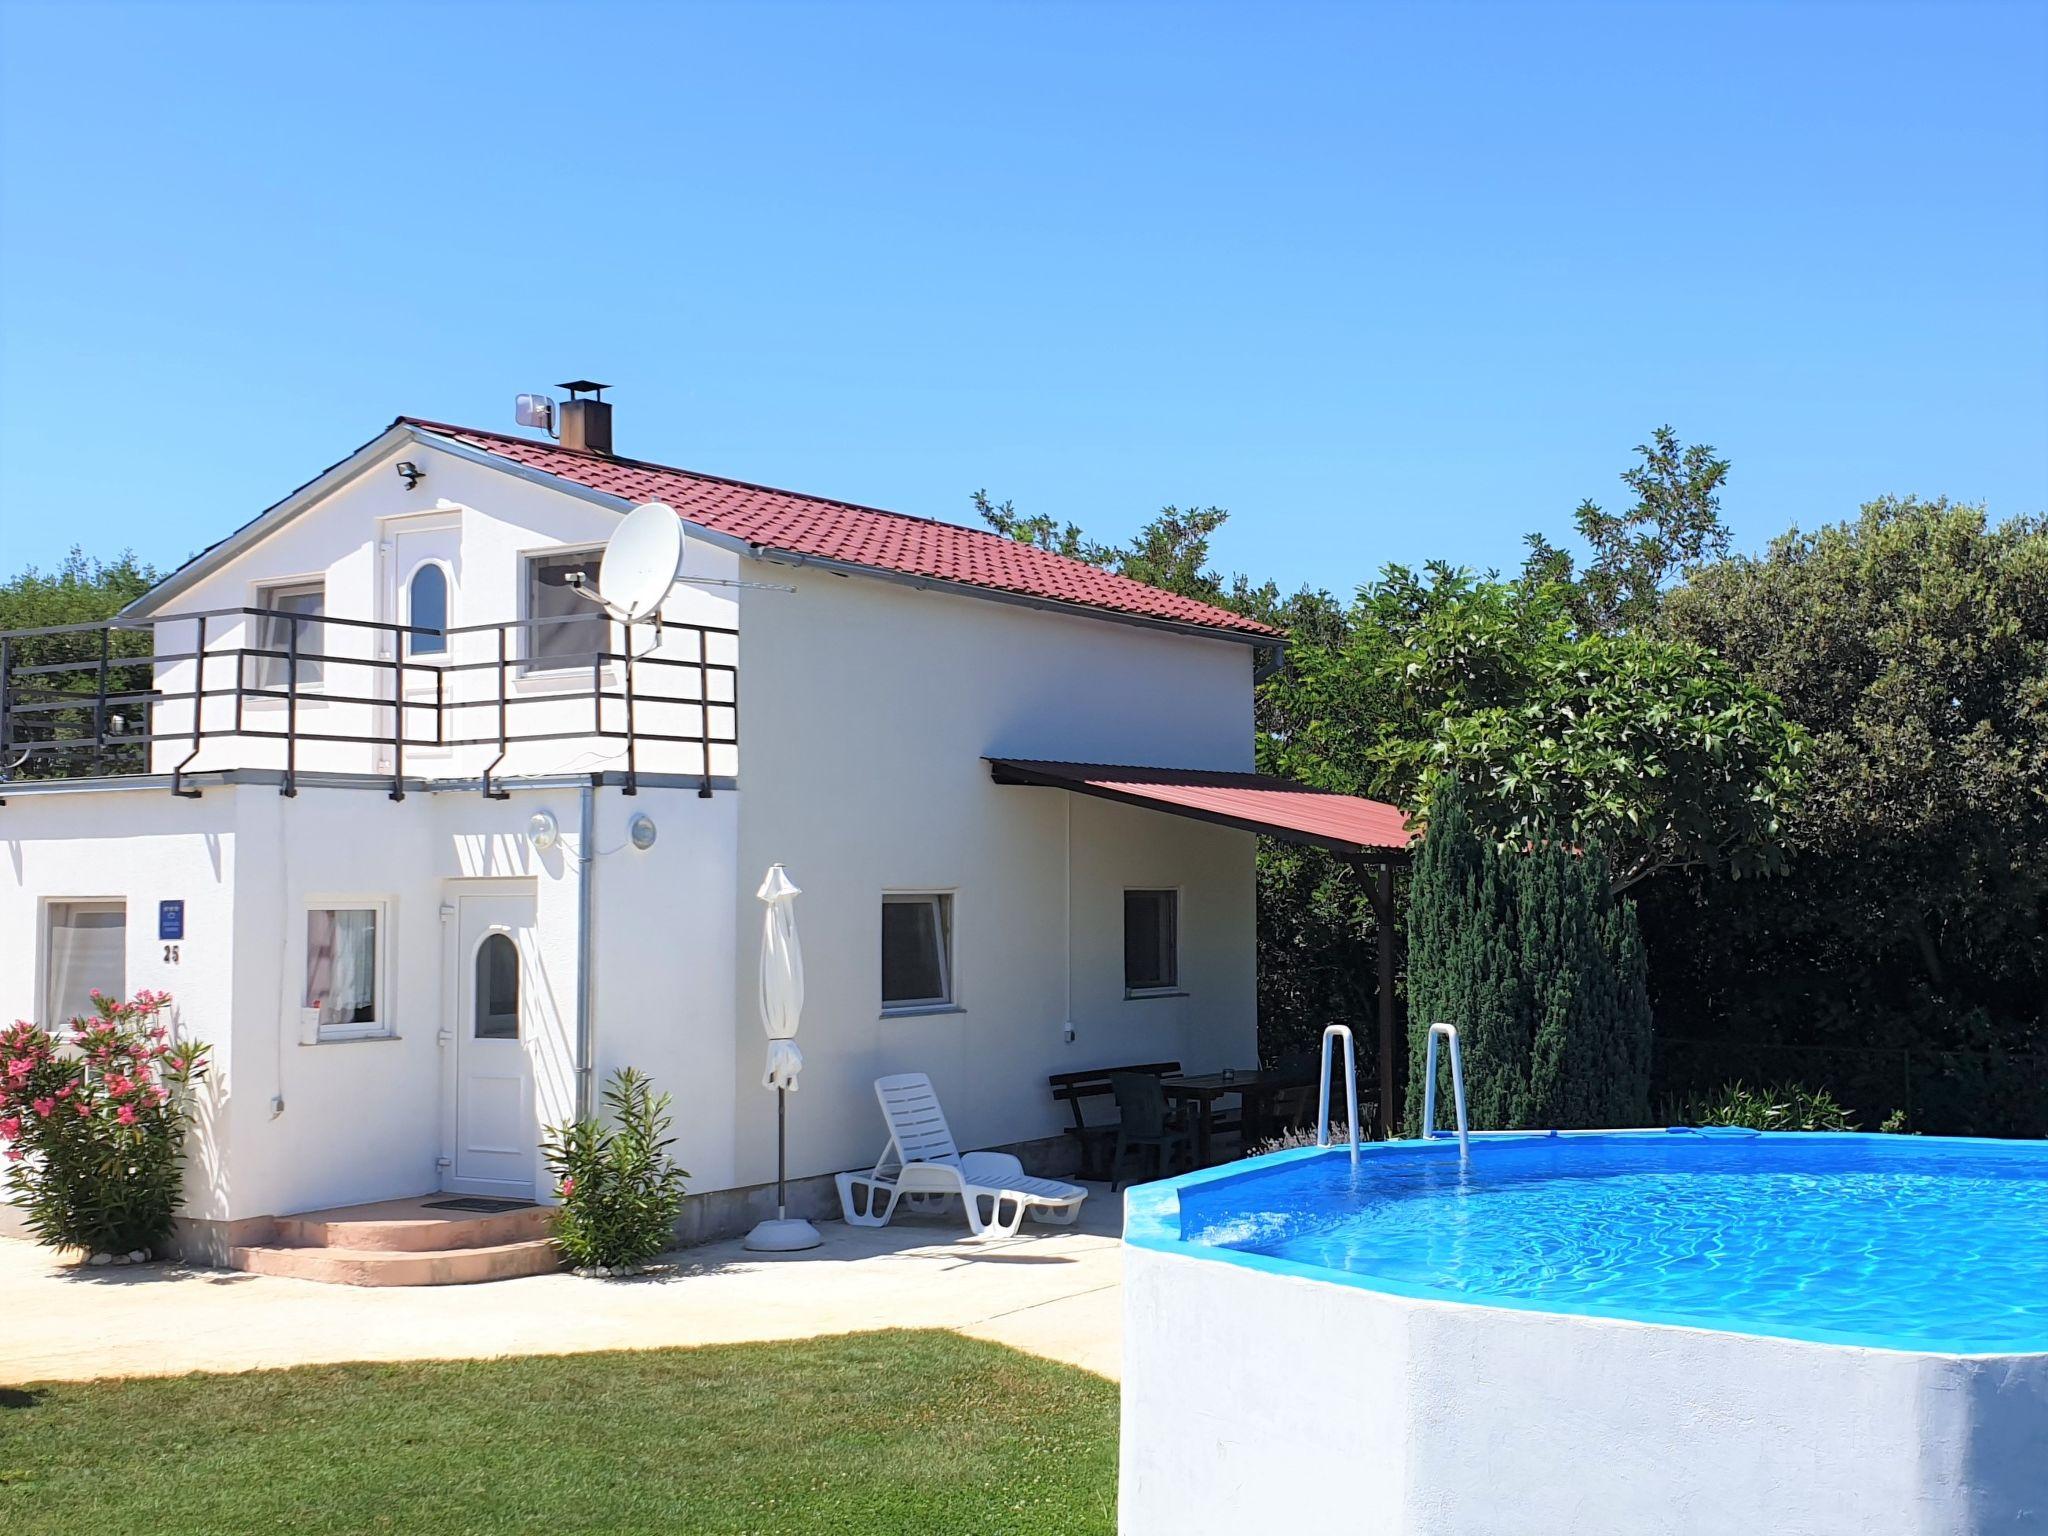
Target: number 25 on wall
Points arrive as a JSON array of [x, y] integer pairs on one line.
[[170, 954]]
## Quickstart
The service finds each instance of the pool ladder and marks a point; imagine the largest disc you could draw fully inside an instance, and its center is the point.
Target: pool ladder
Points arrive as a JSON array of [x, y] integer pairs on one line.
[[1334, 1032], [1448, 1032], [1436, 1031]]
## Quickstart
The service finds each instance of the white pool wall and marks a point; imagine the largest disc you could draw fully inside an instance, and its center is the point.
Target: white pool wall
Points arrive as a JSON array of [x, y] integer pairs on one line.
[[1290, 1403]]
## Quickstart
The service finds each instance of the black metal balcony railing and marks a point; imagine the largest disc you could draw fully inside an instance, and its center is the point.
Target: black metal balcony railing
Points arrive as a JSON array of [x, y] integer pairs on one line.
[[71, 694]]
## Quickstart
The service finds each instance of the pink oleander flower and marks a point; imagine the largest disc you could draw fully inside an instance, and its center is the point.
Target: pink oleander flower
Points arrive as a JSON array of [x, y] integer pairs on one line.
[[118, 1085], [15, 1154], [82, 1107], [20, 1066], [42, 1107], [10, 1128], [67, 1090], [569, 1186], [125, 1114]]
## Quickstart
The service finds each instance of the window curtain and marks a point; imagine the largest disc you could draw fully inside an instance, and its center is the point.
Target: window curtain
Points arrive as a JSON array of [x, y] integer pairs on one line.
[[341, 967], [88, 950]]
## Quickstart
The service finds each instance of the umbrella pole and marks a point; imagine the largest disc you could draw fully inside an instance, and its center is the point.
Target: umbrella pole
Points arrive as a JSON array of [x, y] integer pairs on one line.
[[781, 1153]]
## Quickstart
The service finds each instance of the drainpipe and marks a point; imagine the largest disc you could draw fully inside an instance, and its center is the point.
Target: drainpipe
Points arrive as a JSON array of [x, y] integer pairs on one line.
[[586, 979]]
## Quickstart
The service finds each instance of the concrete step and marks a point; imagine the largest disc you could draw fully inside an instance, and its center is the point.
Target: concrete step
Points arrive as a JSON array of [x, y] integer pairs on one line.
[[339, 1265], [405, 1226]]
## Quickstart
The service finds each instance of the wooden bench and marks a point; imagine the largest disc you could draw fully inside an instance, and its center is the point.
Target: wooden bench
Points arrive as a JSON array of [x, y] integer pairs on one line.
[[1075, 1088]]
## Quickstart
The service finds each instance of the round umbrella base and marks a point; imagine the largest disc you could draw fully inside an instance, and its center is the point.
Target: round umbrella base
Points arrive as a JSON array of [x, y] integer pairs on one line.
[[787, 1236]]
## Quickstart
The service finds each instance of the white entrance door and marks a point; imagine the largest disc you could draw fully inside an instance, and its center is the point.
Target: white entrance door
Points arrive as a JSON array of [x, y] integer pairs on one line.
[[497, 1136]]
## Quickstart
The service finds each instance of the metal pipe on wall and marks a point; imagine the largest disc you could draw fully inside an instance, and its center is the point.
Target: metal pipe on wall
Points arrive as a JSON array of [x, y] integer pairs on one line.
[[586, 970]]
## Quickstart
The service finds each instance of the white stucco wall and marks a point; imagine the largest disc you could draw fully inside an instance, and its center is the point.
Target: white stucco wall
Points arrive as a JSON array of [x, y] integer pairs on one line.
[[363, 1120], [479, 522], [141, 849], [1341, 1409], [869, 708]]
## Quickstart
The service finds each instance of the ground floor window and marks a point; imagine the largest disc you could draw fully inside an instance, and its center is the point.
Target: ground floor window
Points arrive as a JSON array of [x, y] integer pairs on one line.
[[344, 996], [85, 949], [1151, 941], [917, 951]]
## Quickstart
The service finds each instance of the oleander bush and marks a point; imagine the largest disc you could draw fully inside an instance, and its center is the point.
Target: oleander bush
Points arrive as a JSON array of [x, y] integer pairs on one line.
[[620, 1191], [94, 1124]]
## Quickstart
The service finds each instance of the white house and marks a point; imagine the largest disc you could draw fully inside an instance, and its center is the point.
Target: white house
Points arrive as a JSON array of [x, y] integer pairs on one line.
[[378, 812]]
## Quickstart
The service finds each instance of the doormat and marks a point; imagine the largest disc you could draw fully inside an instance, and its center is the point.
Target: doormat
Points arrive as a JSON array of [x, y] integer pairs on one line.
[[479, 1204]]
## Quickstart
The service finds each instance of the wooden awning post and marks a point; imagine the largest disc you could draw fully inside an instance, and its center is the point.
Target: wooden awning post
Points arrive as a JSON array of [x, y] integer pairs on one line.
[[1383, 920]]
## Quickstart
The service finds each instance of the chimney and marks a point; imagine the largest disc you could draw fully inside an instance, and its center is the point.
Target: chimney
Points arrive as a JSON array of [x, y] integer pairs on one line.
[[586, 424]]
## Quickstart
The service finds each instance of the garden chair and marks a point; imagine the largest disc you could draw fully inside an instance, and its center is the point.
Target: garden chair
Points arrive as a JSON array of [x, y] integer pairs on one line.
[[1142, 1121], [921, 1163]]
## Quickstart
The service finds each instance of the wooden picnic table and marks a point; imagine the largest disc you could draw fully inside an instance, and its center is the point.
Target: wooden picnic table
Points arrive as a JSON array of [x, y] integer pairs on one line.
[[1254, 1086]]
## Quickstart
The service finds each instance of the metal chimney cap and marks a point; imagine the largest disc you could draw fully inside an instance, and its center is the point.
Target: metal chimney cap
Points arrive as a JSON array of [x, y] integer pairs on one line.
[[577, 386]]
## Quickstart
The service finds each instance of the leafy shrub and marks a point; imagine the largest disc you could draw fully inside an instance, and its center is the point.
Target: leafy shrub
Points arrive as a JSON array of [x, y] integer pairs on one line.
[[95, 1125], [620, 1191], [1785, 1107]]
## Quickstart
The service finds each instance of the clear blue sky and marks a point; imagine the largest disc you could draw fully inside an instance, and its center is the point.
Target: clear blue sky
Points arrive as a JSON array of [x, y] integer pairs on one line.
[[1388, 282]]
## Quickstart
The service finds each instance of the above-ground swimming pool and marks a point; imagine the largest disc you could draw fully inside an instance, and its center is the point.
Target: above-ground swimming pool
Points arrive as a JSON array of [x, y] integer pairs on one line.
[[1614, 1331]]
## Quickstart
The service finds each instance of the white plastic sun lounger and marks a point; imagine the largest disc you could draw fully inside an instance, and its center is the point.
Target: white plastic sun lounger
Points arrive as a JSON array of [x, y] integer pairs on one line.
[[920, 1163]]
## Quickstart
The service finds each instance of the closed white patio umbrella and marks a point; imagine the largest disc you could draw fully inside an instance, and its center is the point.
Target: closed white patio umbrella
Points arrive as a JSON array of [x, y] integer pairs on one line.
[[782, 1006]]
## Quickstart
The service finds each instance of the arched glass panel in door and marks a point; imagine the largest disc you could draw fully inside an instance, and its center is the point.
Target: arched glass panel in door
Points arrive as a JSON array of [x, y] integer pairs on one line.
[[427, 608], [497, 988]]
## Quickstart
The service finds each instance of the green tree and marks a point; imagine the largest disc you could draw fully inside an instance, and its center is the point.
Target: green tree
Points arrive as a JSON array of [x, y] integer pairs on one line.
[[1646, 745], [1906, 952], [1673, 526], [1171, 552], [81, 590], [1542, 970]]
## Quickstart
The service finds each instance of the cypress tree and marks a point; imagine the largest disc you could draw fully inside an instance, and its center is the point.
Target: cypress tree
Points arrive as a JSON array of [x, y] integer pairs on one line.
[[1542, 971]]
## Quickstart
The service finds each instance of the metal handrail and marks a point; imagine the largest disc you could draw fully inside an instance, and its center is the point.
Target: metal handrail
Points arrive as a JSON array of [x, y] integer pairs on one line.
[[1448, 1032], [1350, 1089], [34, 727]]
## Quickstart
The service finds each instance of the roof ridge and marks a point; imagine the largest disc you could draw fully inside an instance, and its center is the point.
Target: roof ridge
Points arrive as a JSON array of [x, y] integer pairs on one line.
[[734, 481], [1038, 572]]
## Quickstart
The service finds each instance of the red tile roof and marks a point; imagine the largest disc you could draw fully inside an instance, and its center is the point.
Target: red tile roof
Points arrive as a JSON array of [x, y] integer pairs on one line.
[[820, 528], [1257, 802]]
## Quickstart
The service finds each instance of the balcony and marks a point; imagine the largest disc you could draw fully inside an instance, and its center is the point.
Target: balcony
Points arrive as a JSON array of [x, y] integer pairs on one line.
[[267, 695]]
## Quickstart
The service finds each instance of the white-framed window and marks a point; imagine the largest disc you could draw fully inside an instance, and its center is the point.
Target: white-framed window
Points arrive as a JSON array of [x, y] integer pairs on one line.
[[1151, 942], [917, 952], [307, 599], [345, 968], [426, 607], [568, 628], [497, 989], [85, 949]]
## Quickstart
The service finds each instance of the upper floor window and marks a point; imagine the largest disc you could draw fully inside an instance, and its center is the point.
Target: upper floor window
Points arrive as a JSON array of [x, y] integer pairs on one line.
[[1151, 941], [85, 950], [426, 607], [568, 629], [275, 632], [917, 952]]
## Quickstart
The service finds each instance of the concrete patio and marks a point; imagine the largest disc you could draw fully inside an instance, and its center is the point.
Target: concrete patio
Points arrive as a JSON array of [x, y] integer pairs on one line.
[[1052, 1291]]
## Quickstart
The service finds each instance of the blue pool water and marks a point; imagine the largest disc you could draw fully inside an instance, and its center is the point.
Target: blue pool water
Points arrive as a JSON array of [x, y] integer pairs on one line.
[[1901, 1242]]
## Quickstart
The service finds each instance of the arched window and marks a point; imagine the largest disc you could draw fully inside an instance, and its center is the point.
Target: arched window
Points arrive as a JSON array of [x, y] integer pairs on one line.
[[497, 988], [428, 609]]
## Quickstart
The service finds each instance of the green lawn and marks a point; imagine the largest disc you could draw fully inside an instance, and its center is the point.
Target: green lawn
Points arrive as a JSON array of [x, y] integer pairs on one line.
[[873, 1433]]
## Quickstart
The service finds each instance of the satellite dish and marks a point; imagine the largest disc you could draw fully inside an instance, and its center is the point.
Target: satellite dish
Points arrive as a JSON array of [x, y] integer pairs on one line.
[[641, 562]]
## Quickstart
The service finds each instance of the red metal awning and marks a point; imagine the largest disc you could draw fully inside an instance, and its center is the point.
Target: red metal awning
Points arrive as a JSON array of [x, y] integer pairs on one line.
[[1255, 802]]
